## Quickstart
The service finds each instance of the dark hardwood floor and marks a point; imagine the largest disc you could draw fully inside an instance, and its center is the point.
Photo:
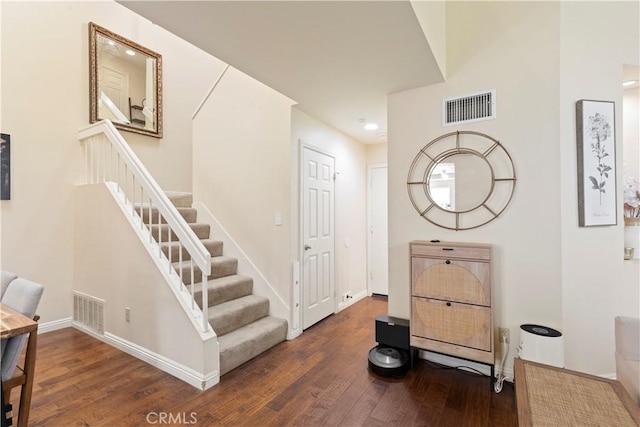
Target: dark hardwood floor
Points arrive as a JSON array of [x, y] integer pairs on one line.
[[320, 378]]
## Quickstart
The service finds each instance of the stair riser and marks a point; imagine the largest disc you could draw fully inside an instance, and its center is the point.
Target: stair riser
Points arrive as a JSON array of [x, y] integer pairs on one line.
[[189, 214], [219, 295], [218, 269], [214, 248], [236, 355], [202, 232], [180, 200], [228, 322]]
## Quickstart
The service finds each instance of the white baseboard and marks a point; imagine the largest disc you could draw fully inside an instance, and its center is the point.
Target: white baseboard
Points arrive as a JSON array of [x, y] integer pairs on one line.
[[357, 297], [184, 373], [294, 333], [610, 376], [55, 325]]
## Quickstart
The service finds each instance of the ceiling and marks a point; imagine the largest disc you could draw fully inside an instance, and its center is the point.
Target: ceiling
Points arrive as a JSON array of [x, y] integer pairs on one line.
[[337, 59]]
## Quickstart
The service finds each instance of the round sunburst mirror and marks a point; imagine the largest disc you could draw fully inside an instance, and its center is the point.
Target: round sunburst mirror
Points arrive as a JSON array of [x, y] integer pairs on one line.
[[461, 180]]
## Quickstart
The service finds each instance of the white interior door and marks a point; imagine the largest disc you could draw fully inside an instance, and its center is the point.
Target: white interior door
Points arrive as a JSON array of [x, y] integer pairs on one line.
[[378, 226], [318, 299]]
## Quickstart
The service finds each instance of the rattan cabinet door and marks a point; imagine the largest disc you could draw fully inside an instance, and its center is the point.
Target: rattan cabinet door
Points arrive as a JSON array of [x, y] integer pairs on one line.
[[451, 280], [450, 322]]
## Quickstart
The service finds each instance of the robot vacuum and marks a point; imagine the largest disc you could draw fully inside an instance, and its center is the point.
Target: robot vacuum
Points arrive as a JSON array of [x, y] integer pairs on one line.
[[389, 361]]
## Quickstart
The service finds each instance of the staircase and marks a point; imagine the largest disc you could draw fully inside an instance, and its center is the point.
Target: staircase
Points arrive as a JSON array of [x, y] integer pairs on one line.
[[240, 319]]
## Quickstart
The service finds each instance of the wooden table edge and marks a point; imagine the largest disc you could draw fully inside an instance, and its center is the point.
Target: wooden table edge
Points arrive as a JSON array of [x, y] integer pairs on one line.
[[23, 325]]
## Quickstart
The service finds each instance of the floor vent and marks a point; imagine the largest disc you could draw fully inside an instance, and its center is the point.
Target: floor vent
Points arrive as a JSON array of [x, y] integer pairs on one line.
[[88, 312], [470, 108]]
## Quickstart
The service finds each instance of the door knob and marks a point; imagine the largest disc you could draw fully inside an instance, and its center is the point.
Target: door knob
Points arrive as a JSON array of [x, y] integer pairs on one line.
[[307, 247]]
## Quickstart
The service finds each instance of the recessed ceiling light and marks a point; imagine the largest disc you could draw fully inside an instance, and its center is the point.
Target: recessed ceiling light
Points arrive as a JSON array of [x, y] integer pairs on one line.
[[629, 83], [371, 126], [129, 52]]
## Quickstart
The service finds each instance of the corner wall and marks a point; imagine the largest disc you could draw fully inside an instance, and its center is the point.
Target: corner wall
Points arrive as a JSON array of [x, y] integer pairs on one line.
[[241, 171], [541, 57], [45, 100], [158, 327], [512, 47], [350, 199], [597, 39]]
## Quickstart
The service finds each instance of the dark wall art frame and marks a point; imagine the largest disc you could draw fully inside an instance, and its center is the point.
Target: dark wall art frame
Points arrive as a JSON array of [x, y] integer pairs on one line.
[[5, 166], [596, 139]]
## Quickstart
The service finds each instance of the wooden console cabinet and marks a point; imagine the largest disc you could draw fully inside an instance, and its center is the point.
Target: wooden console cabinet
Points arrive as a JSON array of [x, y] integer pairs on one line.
[[451, 299]]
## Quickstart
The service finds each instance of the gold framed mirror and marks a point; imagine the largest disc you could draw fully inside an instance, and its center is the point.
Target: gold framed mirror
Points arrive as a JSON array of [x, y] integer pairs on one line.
[[125, 81], [461, 180]]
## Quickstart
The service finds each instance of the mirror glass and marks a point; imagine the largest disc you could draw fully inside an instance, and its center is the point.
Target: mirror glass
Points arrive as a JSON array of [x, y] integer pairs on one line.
[[126, 83], [460, 182]]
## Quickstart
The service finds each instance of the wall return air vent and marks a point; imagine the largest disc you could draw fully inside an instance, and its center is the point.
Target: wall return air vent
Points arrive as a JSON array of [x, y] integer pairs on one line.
[[470, 108], [88, 312]]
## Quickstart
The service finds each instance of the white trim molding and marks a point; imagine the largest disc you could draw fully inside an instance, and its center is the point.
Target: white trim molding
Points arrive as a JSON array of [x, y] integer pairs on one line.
[[357, 297], [200, 381], [55, 325]]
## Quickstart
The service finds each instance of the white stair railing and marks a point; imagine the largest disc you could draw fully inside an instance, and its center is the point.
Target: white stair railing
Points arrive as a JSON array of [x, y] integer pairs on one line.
[[109, 159]]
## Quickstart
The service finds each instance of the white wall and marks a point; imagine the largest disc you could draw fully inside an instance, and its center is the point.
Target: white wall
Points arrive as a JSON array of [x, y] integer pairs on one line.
[[432, 18], [45, 100], [376, 153], [350, 197], [597, 39], [631, 133], [157, 324], [242, 171], [511, 47], [541, 57]]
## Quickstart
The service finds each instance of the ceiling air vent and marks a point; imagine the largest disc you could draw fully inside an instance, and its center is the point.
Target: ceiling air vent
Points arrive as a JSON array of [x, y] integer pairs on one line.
[[470, 108]]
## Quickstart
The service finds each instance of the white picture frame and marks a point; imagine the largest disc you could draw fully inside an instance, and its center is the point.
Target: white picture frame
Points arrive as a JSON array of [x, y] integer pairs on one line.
[[596, 144]]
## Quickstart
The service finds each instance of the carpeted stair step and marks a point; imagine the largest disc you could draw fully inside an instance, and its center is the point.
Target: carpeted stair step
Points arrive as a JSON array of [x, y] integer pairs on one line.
[[202, 231], [189, 214], [234, 314], [180, 199], [221, 266], [224, 289], [213, 246], [245, 343]]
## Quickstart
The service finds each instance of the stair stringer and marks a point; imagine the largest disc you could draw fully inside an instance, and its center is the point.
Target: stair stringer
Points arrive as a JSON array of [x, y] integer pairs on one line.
[[261, 286], [125, 270]]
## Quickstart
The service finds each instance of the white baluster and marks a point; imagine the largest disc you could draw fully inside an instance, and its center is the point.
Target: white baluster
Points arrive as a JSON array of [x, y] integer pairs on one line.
[[169, 247], [133, 193], [126, 182], [86, 161], [140, 211], [205, 303], [180, 259], [150, 220], [160, 233], [104, 158], [193, 298]]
